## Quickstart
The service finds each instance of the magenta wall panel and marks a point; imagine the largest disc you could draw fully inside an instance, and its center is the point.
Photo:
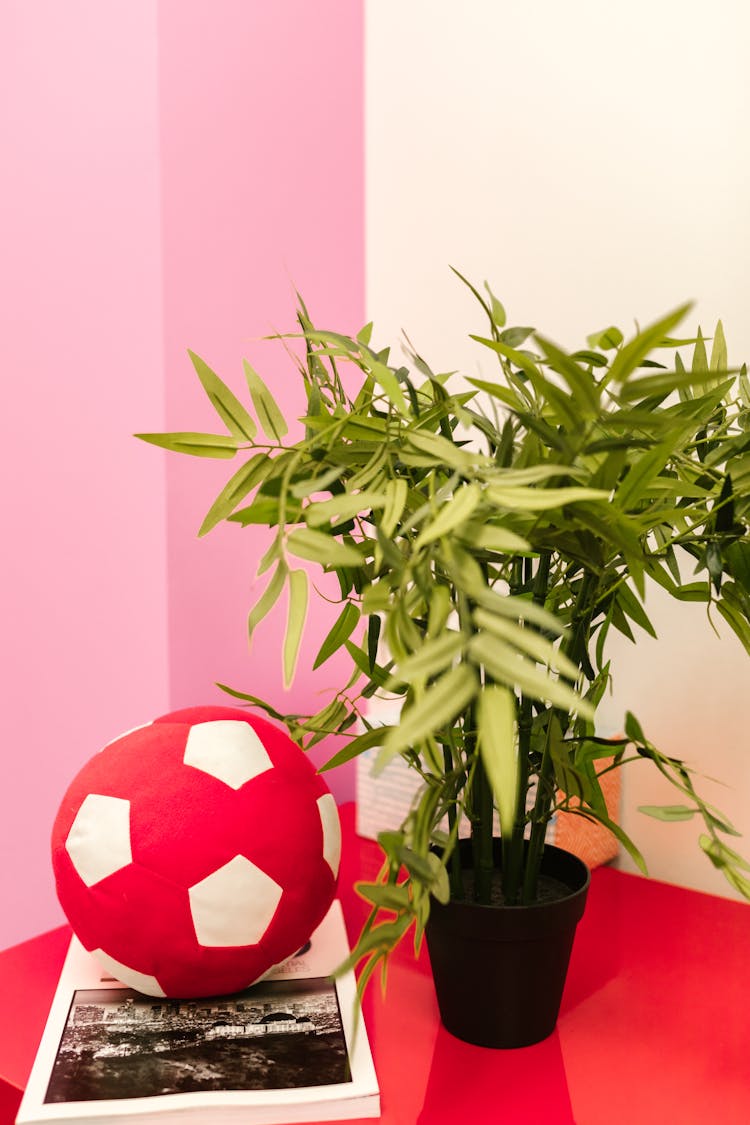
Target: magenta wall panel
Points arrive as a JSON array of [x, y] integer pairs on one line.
[[83, 560]]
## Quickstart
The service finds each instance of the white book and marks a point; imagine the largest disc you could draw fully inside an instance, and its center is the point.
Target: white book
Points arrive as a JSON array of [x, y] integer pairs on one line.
[[293, 1048]]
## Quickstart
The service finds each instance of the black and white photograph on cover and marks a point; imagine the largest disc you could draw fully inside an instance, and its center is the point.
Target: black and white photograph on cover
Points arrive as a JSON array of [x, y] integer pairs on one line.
[[117, 1043]]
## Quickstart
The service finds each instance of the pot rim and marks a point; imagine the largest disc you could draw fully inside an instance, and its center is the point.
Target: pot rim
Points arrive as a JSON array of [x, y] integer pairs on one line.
[[572, 904]]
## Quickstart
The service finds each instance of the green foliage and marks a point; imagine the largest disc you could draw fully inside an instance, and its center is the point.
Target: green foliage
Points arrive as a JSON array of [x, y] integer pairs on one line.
[[490, 540]]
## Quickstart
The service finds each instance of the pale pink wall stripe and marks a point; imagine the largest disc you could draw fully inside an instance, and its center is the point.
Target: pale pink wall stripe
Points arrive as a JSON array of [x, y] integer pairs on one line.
[[252, 116], [262, 192]]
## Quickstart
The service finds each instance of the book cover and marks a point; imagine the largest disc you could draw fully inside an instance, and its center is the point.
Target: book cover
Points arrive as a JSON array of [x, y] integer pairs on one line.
[[292, 1048]]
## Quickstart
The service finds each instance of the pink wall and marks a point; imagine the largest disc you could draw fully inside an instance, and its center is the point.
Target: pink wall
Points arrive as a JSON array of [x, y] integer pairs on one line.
[[83, 565], [171, 172], [262, 180]]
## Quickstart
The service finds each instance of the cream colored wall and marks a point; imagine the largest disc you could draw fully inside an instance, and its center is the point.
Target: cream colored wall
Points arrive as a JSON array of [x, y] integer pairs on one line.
[[593, 162]]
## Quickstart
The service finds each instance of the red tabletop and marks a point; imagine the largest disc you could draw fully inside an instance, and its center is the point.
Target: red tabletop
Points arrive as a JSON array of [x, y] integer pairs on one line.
[[655, 1023]]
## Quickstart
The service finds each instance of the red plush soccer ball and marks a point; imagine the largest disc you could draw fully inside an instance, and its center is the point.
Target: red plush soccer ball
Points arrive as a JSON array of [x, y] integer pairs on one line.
[[195, 853]]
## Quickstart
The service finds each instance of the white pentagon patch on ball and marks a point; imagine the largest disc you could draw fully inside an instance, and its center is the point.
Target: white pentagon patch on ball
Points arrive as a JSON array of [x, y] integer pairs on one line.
[[142, 982], [99, 839], [234, 905], [329, 819], [228, 750]]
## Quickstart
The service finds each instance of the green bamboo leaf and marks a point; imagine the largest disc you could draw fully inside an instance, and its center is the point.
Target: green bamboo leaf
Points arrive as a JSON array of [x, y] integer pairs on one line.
[[329, 720], [700, 356], [506, 665], [528, 640], [630, 605], [298, 595], [685, 392], [619, 834], [235, 490], [564, 408], [197, 445], [343, 628], [388, 896], [629, 358], [589, 359], [268, 598], [633, 729], [396, 492], [620, 621], [226, 404], [719, 821], [439, 610], [738, 881], [440, 885], [738, 557], [373, 639], [362, 428], [541, 499], [342, 507], [580, 382], [504, 394], [357, 746], [254, 699], [375, 672], [637, 390], [454, 513], [514, 337], [488, 537], [264, 510], [719, 357], [736, 621], [304, 488], [342, 345], [372, 472], [318, 547], [390, 384], [273, 553], [438, 706], [720, 853], [270, 417], [443, 452], [608, 340], [496, 307], [572, 780], [434, 656], [744, 387], [668, 812], [533, 474], [518, 358], [515, 608], [640, 474], [496, 713], [377, 598]]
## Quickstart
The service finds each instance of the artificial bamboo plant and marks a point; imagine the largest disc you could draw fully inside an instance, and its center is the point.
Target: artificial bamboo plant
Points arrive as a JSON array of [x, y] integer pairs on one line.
[[487, 538]]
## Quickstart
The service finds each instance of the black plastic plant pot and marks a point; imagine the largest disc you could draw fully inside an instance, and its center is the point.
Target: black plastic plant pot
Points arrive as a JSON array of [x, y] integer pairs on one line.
[[499, 971]]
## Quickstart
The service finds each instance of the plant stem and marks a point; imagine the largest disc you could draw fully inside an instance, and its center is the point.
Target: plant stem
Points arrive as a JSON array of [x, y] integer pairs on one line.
[[581, 618], [455, 874], [513, 848], [481, 825], [516, 856], [575, 649], [539, 821]]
